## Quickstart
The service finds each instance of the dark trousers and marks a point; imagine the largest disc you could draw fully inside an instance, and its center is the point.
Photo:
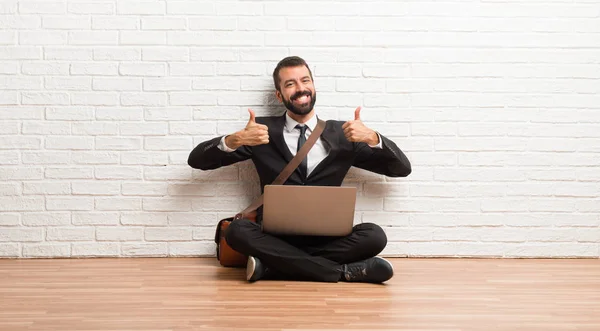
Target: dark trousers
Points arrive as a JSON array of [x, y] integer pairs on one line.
[[306, 257]]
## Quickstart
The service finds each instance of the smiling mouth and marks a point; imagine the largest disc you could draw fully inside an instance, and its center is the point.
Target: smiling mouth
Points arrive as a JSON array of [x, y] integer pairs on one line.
[[302, 99]]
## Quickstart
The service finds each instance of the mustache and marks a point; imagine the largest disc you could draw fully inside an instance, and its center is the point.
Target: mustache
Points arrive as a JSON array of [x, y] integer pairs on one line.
[[301, 94]]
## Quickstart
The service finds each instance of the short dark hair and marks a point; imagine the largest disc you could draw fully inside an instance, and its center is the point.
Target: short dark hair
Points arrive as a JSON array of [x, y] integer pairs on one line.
[[290, 61]]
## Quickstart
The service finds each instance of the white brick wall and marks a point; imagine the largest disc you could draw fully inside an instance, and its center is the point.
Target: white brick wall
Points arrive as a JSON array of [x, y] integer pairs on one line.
[[496, 104]]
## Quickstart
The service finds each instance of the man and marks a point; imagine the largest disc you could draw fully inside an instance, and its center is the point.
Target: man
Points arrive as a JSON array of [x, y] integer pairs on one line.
[[271, 142]]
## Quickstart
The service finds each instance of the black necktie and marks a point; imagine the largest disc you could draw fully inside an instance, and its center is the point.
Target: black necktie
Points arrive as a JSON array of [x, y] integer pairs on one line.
[[301, 140]]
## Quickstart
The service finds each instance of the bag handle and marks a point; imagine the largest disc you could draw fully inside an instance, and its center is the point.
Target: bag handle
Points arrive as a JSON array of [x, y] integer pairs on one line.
[[289, 168]]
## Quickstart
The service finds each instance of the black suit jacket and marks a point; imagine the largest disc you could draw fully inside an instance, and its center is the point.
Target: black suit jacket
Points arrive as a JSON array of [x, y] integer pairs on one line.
[[271, 158]]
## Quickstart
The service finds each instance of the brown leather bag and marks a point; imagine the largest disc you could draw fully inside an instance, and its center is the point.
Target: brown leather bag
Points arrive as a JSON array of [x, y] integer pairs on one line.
[[227, 256]]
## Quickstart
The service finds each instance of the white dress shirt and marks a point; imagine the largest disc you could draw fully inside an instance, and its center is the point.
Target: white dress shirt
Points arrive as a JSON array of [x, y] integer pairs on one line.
[[290, 134]]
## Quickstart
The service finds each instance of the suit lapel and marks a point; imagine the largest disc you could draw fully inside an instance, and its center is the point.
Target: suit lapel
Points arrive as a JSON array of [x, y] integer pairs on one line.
[[276, 136]]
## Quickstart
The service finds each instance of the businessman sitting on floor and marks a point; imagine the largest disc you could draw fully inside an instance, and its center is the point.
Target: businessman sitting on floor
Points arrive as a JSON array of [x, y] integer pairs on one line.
[[271, 142]]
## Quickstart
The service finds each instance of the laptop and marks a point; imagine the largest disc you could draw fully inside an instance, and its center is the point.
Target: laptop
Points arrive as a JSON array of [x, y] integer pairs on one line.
[[308, 210]]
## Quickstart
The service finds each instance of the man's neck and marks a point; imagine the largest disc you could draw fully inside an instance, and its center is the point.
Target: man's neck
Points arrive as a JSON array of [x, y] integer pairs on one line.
[[301, 118]]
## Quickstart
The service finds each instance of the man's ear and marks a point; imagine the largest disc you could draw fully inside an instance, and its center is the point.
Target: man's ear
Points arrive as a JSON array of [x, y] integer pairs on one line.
[[278, 95]]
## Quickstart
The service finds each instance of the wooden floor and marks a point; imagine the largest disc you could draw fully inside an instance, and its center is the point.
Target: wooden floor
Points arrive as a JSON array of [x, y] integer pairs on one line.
[[196, 294]]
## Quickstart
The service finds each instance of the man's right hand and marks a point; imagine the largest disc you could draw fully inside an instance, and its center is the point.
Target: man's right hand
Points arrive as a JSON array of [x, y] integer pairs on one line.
[[252, 135]]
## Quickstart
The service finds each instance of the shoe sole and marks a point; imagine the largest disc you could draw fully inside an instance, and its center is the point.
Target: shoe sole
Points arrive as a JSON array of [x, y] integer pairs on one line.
[[250, 266]]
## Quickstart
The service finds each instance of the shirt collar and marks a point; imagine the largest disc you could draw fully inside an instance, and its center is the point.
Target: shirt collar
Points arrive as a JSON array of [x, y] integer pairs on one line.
[[290, 124]]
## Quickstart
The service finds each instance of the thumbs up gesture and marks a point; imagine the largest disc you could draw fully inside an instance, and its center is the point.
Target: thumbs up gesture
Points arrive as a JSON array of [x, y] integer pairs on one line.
[[356, 131], [252, 135]]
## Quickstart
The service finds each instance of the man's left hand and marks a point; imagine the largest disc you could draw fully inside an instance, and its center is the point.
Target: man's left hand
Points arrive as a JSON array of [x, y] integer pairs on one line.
[[356, 131]]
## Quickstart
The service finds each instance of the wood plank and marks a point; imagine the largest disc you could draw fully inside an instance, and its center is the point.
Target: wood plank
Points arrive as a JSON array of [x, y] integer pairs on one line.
[[196, 294]]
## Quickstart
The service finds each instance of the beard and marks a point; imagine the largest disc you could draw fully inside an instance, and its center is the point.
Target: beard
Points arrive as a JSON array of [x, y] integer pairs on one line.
[[301, 109]]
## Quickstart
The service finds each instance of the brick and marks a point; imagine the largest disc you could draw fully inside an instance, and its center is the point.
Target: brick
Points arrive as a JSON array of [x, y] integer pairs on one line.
[[117, 84], [41, 37], [9, 68], [192, 129], [95, 128], [142, 69], [96, 69], [191, 69], [19, 142], [241, 99], [192, 219], [168, 114], [243, 69], [21, 234], [66, 23], [119, 173], [168, 234], [118, 204], [145, 249], [69, 173], [94, 98], [95, 218], [167, 143], [46, 219], [9, 128], [163, 23], [119, 233], [10, 189], [20, 113], [145, 129], [215, 38], [52, 250], [10, 250], [69, 203], [212, 23], [144, 99], [20, 173], [46, 188], [121, 53], [143, 38], [96, 7], [115, 23], [195, 248], [20, 83], [142, 218], [7, 219], [10, 38], [210, 113], [165, 54], [144, 189], [204, 233], [44, 98], [9, 98], [118, 143], [67, 53], [95, 158], [69, 113], [140, 8], [95, 249], [162, 204], [205, 54], [96, 188], [143, 158], [68, 83], [192, 99], [70, 234], [20, 53], [312, 24], [170, 84], [70, 143], [190, 8], [42, 7]]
